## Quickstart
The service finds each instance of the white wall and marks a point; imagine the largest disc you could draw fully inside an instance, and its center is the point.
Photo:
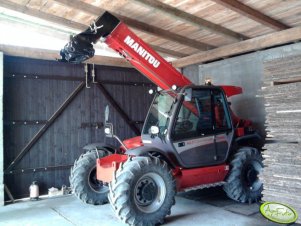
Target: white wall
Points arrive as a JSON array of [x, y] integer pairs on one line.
[[1, 131]]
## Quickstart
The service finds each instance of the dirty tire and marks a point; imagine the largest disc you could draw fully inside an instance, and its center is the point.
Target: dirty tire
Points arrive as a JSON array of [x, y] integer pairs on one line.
[[143, 191], [83, 178], [242, 183]]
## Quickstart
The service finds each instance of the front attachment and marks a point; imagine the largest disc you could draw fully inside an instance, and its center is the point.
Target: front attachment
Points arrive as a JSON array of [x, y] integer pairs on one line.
[[106, 167], [80, 47]]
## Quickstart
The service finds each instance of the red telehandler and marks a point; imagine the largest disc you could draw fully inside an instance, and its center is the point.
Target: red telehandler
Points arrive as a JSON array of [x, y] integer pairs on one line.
[[190, 139]]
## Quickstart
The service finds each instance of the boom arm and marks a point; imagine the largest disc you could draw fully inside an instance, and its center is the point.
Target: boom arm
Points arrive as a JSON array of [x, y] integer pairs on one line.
[[120, 38]]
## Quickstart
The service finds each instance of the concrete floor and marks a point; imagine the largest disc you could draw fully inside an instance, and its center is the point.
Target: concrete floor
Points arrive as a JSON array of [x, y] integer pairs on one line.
[[196, 208]]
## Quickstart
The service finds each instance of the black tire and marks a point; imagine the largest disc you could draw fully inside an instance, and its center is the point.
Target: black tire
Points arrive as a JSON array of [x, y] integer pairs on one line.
[[143, 191], [242, 183], [83, 180]]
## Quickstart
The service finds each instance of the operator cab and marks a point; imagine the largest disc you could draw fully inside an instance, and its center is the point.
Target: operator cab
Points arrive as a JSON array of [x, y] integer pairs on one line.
[[191, 125]]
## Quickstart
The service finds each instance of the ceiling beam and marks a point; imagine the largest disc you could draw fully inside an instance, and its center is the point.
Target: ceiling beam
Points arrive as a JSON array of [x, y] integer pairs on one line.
[[136, 24], [252, 14], [192, 19], [88, 8], [254, 44], [168, 51], [44, 54], [165, 34], [41, 15]]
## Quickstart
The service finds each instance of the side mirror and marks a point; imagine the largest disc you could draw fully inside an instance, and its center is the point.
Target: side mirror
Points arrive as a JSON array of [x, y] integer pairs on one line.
[[107, 113], [108, 128], [188, 94], [154, 130]]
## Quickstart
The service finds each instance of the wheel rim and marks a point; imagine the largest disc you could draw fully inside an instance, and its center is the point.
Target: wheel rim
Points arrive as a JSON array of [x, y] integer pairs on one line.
[[149, 192], [251, 172], [94, 184]]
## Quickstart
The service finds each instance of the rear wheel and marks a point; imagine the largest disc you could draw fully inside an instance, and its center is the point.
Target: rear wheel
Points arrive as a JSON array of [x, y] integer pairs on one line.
[[83, 178], [143, 191], [243, 184]]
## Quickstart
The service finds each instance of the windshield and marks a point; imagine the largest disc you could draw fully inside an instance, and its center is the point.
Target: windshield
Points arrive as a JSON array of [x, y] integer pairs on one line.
[[159, 113]]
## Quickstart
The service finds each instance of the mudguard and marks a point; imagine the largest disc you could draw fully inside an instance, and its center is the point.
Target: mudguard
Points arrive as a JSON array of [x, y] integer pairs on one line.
[[94, 146], [254, 138], [145, 150]]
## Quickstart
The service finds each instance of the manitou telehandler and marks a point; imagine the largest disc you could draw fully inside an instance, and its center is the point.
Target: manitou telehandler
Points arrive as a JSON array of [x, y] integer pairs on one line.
[[190, 139]]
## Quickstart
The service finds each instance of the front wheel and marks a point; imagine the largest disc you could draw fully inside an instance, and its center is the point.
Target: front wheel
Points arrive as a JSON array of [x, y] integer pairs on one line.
[[242, 183], [143, 191], [83, 179]]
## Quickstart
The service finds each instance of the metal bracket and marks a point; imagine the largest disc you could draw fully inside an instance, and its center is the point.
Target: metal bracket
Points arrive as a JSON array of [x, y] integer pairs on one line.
[[86, 74], [93, 74], [94, 27]]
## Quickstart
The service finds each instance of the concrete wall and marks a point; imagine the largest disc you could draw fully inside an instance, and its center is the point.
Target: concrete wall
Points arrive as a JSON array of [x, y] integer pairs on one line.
[[245, 71], [192, 72], [1, 131]]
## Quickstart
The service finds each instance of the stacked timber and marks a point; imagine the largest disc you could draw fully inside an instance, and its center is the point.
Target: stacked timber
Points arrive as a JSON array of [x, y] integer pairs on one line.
[[282, 155]]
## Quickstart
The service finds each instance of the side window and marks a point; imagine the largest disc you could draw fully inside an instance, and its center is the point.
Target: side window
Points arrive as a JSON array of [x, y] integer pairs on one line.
[[195, 117], [221, 118], [205, 124]]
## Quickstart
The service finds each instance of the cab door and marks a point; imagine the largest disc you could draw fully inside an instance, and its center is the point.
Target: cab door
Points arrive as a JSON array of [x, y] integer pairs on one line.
[[193, 130], [222, 125], [202, 131]]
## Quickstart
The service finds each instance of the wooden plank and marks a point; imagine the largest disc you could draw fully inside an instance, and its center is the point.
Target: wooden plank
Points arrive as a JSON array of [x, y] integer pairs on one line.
[[261, 42], [41, 15], [44, 54], [282, 89], [191, 19], [169, 52], [85, 7], [251, 13], [281, 61], [51, 120], [281, 174]]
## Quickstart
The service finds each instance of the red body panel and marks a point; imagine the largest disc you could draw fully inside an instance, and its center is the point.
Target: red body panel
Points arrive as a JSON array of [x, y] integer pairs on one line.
[[134, 142], [187, 178], [232, 90]]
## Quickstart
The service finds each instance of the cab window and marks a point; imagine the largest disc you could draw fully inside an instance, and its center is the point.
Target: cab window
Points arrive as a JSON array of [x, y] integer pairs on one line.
[[194, 117], [221, 118]]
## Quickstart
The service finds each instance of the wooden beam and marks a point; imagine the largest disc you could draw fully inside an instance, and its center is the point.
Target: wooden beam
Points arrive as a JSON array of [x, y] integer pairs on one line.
[[194, 20], [85, 7], [44, 54], [168, 51], [252, 14], [41, 15], [166, 34], [261, 42]]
